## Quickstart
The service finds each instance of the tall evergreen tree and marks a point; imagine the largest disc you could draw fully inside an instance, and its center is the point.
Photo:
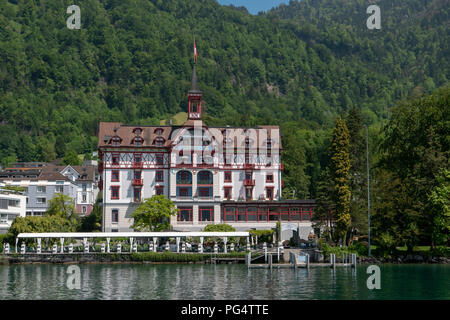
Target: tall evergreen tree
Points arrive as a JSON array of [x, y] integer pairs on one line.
[[357, 171], [340, 168]]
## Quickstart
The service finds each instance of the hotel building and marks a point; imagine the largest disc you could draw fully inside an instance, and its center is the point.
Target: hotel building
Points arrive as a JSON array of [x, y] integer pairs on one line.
[[213, 174]]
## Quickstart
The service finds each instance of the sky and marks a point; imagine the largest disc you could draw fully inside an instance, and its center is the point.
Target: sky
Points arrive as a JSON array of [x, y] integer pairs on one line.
[[254, 6]]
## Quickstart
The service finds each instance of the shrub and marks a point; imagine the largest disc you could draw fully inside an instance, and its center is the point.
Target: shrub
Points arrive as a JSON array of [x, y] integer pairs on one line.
[[263, 235]]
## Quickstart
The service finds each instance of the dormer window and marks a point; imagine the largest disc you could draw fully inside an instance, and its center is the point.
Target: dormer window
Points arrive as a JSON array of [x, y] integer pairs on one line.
[[137, 141], [159, 142], [116, 141], [159, 131], [137, 131]]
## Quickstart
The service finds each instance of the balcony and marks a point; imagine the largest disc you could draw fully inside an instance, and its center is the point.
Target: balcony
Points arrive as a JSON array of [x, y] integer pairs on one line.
[[249, 182], [249, 166], [137, 182], [138, 165]]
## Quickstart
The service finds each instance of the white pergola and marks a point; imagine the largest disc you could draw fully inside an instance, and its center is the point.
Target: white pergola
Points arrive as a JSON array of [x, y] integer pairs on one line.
[[132, 236]]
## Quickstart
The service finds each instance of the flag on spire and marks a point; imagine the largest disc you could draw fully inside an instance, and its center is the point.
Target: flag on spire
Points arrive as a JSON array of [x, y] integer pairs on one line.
[[195, 52]]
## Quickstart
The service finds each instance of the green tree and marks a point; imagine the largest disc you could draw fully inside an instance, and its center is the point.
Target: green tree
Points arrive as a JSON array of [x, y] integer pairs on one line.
[[440, 211], [339, 168], [223, 227], [153, 214], [63, 206], [325, 205], [71, 158], [357, 172]]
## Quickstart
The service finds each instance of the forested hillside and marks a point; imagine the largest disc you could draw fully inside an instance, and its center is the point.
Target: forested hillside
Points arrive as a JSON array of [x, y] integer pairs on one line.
[[299, 66]]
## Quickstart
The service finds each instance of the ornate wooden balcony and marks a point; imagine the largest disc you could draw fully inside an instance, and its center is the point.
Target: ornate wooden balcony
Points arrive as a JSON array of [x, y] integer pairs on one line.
[[249, 182], [138, 165], [249, 166]]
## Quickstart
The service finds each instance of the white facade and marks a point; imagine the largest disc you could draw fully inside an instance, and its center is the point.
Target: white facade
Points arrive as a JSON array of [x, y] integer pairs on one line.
[[12, 205]]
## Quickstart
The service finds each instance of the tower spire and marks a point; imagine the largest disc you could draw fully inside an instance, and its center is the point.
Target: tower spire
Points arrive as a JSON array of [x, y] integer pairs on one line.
[[195, 94]]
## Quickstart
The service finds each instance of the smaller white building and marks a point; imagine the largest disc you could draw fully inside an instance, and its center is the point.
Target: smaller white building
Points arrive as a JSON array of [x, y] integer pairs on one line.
[[12, 205]]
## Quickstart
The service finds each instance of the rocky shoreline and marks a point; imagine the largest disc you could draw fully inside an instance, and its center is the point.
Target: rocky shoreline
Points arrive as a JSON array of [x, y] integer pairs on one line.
[[409, 258]]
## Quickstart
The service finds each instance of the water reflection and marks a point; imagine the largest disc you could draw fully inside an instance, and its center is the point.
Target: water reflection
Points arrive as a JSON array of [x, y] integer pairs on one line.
[[235, 282]]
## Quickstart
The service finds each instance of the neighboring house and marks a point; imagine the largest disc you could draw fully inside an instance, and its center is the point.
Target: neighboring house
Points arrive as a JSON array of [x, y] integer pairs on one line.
[[213, 174], [41, 183], [12, 205]]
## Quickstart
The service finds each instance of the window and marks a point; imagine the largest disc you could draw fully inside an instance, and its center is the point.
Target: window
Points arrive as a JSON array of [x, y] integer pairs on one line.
[[137, 175], [115, 192], [59, 189], [41, 189], [159, 142], [206, 214], [84, 187], [159, 131], [29, 213], [269, 193], [248, 193], [137, 158], [13, 203], [137, 195], [185, 214], [230, 214], [269, 178], [115, 159], [138, 142], [84, 209], [205, 192], [159, 159], [227, 193], [184, 177], [159, 190], [137, 130], [115, 216], [115, 176], [227, 176], [204, 177], [27, 200], [183, 192], [84, 198], [159, 176], [41, 200]]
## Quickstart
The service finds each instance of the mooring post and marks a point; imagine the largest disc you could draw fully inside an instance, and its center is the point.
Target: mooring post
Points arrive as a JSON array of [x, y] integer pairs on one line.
[[22, 248], [70, 247], [333, 260], [270, 262], [178, 244], [265, 251], [200, 246], [108, 248], [62, 244], [39, 248], [155, 244], [225, 240], [354, 260], [307, 261], [248, 259], [248, 244]]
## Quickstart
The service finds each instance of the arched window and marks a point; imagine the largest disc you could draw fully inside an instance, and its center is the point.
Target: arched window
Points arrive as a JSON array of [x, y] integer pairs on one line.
[[158, 131], [184, 177], [204, 177]]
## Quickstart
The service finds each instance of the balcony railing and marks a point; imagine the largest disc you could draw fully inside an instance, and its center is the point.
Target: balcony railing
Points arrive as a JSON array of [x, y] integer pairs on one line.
[[138, 165], [249, 165], [137, 182], [249, 182]]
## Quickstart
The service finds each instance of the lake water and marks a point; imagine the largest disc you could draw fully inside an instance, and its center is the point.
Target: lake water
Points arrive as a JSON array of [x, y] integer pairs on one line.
[[146, 281]]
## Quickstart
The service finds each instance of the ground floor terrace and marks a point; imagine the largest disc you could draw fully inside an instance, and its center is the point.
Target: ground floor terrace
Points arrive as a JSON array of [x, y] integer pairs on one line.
[[107, 242]]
